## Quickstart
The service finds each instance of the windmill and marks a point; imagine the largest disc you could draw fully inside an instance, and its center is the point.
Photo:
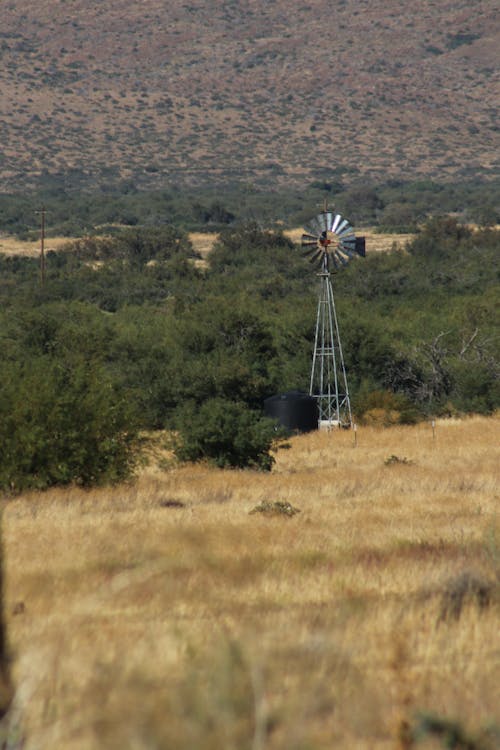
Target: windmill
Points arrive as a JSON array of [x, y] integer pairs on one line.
[[329, 242]]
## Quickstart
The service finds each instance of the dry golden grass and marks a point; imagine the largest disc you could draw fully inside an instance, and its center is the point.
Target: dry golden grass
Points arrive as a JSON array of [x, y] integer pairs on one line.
[[11, 246], [203, 242], [138, 625]]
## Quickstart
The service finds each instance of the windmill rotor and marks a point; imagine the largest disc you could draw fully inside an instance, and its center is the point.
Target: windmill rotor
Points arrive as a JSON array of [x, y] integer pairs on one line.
[[329, 241]]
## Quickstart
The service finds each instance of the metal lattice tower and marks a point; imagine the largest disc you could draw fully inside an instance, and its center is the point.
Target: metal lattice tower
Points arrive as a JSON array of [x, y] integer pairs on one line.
[[329, 241], [328, 377]]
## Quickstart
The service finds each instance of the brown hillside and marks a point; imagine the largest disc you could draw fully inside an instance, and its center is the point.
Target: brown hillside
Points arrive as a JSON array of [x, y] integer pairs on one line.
[[254, 89]]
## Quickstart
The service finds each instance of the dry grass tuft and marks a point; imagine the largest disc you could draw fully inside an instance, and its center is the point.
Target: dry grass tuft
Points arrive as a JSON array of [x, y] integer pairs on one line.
[[467, 587], [164, 614], [276, 508]]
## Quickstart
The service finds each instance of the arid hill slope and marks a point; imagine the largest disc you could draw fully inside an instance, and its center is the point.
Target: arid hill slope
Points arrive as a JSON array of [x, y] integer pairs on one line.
[[256, 89]]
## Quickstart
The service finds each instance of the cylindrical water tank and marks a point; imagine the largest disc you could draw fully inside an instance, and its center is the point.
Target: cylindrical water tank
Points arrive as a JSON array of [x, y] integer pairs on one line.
[[294, 410]]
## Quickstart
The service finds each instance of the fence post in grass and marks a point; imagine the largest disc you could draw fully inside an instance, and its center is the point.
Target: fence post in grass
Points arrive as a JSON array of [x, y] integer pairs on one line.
[[355, 429], [433, 425]]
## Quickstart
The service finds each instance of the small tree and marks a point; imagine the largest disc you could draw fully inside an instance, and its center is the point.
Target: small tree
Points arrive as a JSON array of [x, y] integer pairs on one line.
[[62, 423], [226, 433]]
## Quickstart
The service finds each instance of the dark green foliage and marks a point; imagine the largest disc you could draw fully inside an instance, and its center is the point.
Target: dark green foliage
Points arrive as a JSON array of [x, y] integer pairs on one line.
[[223, 349], [394, 205], [131, 316], [62, 423], [226, 433], [451, 734], [362, 204], [443, 236]]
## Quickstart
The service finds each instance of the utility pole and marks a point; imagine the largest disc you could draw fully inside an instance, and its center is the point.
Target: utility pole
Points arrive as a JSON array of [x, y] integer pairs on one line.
[[42, 244]]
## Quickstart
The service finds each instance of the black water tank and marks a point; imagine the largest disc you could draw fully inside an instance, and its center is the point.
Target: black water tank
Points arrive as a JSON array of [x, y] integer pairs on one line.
[[294, 410]]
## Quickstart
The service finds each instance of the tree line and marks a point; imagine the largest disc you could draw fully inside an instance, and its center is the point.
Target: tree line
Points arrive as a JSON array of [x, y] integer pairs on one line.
[[130, 333], [396, 205]]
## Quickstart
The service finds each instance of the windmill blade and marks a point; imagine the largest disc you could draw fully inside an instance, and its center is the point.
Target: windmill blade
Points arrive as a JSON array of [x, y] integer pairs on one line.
[[312, 229], [317, 257], [345, 251], [341, 226], [339, 257], [309, 238], [323, 218], [329, 221], [350, 240], [307, 252], [345, 258], [333, 261], [316, 225], [348, 247], [309, 243], [346, 231], [338, 218]]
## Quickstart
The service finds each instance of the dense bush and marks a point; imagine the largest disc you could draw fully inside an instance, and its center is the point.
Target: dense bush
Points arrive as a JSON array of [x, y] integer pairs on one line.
[[63, 423], [226, 433]]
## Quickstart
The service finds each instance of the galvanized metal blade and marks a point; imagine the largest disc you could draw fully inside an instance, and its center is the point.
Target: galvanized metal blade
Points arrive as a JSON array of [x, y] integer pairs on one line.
[[323, 218], [340, 259], [336, 221], [348, 244], [341, 226], [307, 252], [316, 225], [309, 238], [349, 240], [346, 231], [310, 229], [346, 251], [317, 257], [333, 261]]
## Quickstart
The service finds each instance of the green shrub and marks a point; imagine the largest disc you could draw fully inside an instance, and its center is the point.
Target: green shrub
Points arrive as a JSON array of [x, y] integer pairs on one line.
[[227, 434], [62, 423]]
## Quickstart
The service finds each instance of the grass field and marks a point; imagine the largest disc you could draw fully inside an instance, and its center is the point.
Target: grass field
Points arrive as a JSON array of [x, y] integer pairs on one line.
[[164, 614], [202, 242]]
